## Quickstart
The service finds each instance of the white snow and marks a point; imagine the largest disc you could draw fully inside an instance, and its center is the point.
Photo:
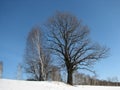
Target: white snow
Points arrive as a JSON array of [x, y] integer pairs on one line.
[[46, 85]]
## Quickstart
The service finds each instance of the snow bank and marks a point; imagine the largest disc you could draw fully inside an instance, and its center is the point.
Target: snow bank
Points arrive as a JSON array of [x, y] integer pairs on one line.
[[32, 85], [46, 85]]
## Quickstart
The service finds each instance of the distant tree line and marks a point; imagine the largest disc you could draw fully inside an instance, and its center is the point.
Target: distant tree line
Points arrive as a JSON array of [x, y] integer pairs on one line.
[[82, 79]]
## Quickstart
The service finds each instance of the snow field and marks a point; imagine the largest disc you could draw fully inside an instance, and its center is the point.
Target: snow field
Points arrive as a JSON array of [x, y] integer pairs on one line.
[[47, 85]]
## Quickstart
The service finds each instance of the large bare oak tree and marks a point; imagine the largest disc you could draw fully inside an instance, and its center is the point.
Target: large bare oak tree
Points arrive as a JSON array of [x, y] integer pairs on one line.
[[70, 41]]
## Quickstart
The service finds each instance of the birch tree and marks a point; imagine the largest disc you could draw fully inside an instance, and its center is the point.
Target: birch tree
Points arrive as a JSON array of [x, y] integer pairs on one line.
[[35, 57]]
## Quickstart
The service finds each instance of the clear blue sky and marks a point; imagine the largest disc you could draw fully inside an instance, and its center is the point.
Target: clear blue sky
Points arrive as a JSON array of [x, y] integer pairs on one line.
[[17, 17]]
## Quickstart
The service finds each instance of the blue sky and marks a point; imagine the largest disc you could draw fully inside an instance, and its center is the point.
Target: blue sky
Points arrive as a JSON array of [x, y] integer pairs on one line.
[[18, 17]]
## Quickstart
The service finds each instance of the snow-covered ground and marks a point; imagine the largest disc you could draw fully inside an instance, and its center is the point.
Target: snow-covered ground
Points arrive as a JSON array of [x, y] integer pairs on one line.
[[46, 85]]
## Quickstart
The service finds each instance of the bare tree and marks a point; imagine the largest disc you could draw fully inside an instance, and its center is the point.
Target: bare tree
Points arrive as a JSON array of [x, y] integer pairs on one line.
[[19, 71], [36, 58], [69, 40], [1, 69], [55, 73]]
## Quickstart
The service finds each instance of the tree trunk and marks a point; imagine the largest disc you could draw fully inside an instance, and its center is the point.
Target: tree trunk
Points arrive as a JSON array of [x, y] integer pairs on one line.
[[70, 78], [41, 77]]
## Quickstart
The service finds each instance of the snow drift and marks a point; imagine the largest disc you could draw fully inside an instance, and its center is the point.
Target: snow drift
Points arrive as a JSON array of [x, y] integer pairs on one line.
[[46, 85]]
